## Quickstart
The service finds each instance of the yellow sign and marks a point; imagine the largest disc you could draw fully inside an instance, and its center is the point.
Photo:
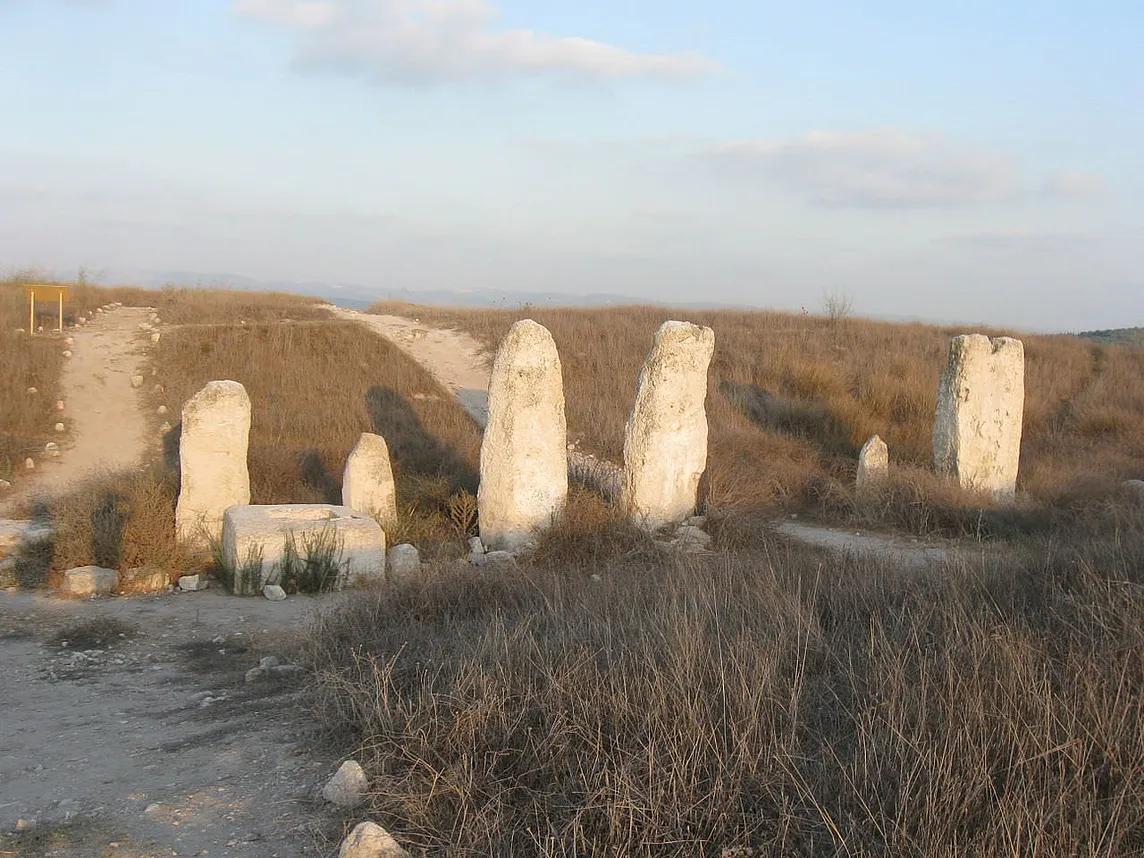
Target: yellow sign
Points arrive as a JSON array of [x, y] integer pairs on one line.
[[36, 293]]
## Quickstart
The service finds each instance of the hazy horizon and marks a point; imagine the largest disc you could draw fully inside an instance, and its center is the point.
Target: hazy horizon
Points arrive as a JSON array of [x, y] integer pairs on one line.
[[955, 162]]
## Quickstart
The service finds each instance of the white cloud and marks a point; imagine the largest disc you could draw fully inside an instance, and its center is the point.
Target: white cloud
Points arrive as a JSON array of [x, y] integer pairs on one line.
[[1074, 183], [439, 40], [882, 168]]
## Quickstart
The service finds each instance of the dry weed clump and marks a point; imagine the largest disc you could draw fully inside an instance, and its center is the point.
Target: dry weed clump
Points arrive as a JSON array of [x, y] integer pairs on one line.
[[793, 398], [774, 703]]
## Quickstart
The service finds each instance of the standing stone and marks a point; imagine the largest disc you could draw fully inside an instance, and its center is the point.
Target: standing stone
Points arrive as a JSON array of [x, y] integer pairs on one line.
[[665, 442], [367, 484], [873, 463], [980, 404], [524, 454], [212, 459]]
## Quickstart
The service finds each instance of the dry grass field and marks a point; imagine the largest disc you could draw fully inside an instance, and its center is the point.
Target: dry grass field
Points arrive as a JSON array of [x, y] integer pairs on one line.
[[793, 398], [767, 700]]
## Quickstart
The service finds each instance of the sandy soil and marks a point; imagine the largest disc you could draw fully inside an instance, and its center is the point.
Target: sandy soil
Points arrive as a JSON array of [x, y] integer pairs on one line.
[[106, 429], [143, 739]]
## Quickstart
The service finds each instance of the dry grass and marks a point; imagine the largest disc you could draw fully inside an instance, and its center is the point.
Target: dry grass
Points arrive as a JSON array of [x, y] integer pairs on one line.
[[770, 703], [793, 398]]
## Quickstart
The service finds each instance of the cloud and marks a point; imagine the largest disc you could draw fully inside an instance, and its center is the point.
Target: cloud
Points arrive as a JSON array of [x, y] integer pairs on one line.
[[881, 168], [418, 41], [1071, 183]]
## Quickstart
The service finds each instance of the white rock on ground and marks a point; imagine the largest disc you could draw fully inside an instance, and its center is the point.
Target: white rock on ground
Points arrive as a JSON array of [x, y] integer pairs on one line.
[[255, 539], [136, 381], [274, 593], [873, 463], [524, 453], [980, 405], [192, 583], [212, 460], [348, 787], [370, 840], [404, 561], [85, 581], [367, 483], [665, 440]]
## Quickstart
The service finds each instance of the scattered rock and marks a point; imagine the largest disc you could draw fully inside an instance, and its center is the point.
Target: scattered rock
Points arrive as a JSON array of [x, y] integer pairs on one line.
[[193, 583], [86, 581], [274, 593], [52, 448], [136, 381], [67, 353], [370, 840], [32, 391], [29, 464], [155, 337], [162, 409], [164, 428], [254, 674], [5, 485], [348, 787], [689, 534], [59, 405], [403, 561], [268, 662], [158, 388], [495, 560], [60, 427], [283, 671]]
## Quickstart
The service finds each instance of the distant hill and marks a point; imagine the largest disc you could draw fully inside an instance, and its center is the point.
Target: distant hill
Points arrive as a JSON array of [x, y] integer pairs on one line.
[[1130, 337]]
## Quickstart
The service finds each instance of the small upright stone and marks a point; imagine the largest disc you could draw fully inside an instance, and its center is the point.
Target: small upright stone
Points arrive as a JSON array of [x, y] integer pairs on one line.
[[665, 441], [348, 787], [367, 483], [404, 562], [873, 463], [524, 454], [980, 405], [212, 459]]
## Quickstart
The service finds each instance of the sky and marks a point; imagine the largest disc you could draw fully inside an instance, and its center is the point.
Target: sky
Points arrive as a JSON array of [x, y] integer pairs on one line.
[[963, 161]]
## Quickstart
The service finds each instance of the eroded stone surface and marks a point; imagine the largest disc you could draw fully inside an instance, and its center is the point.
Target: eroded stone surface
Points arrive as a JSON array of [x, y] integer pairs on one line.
[[524, 454], [367, 484], [873, 463], [977, 425], [212, 460], [665, 442], [404, 562], [85, 581], [259, 542]]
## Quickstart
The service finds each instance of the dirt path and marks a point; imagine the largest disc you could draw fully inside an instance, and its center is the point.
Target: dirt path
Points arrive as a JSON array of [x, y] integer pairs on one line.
[[141, 738], [106, 429], [455, 359]]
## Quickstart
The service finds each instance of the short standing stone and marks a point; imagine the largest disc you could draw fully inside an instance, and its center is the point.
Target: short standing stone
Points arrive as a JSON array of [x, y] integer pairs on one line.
[[524, 453], [665, 441], [348, 545], [348, 787], [980, 404], [873, 463], [85, 581], [370, 840], [367, 483], [212, 460], [404, 562]]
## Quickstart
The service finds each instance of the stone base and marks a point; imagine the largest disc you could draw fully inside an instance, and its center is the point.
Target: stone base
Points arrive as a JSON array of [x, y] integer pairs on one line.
[[273, 544]]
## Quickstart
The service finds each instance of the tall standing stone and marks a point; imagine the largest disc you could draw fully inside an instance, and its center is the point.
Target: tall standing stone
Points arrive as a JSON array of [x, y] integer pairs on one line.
[[367, 484], [980, 404], [212, 460], [665, 442], [524, 453], [873, 463]]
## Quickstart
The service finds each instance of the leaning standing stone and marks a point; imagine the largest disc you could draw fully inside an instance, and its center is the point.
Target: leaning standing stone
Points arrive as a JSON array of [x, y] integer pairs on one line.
[[980, 404], [212, 460], [524, 454], [367, 484], [665, 442], [873, 463]]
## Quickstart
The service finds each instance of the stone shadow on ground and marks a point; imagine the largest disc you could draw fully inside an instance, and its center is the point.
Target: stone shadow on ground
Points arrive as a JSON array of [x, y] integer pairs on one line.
[[317, 476], [108, 521], [804, 419], [411, 447]]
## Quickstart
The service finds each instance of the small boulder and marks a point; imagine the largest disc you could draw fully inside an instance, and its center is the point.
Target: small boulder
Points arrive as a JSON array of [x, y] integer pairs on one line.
[[496, 560], [274, 593], [348, 787], [86, 581], [370, 840], [192, 583], [404, 561]]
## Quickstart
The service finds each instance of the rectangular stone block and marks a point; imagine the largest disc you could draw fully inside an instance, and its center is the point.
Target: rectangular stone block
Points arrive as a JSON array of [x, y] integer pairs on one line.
[[85, 581], [275, 543]]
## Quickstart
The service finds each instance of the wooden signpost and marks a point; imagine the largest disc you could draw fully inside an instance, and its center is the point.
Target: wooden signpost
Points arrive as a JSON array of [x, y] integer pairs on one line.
[[44, 293]]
